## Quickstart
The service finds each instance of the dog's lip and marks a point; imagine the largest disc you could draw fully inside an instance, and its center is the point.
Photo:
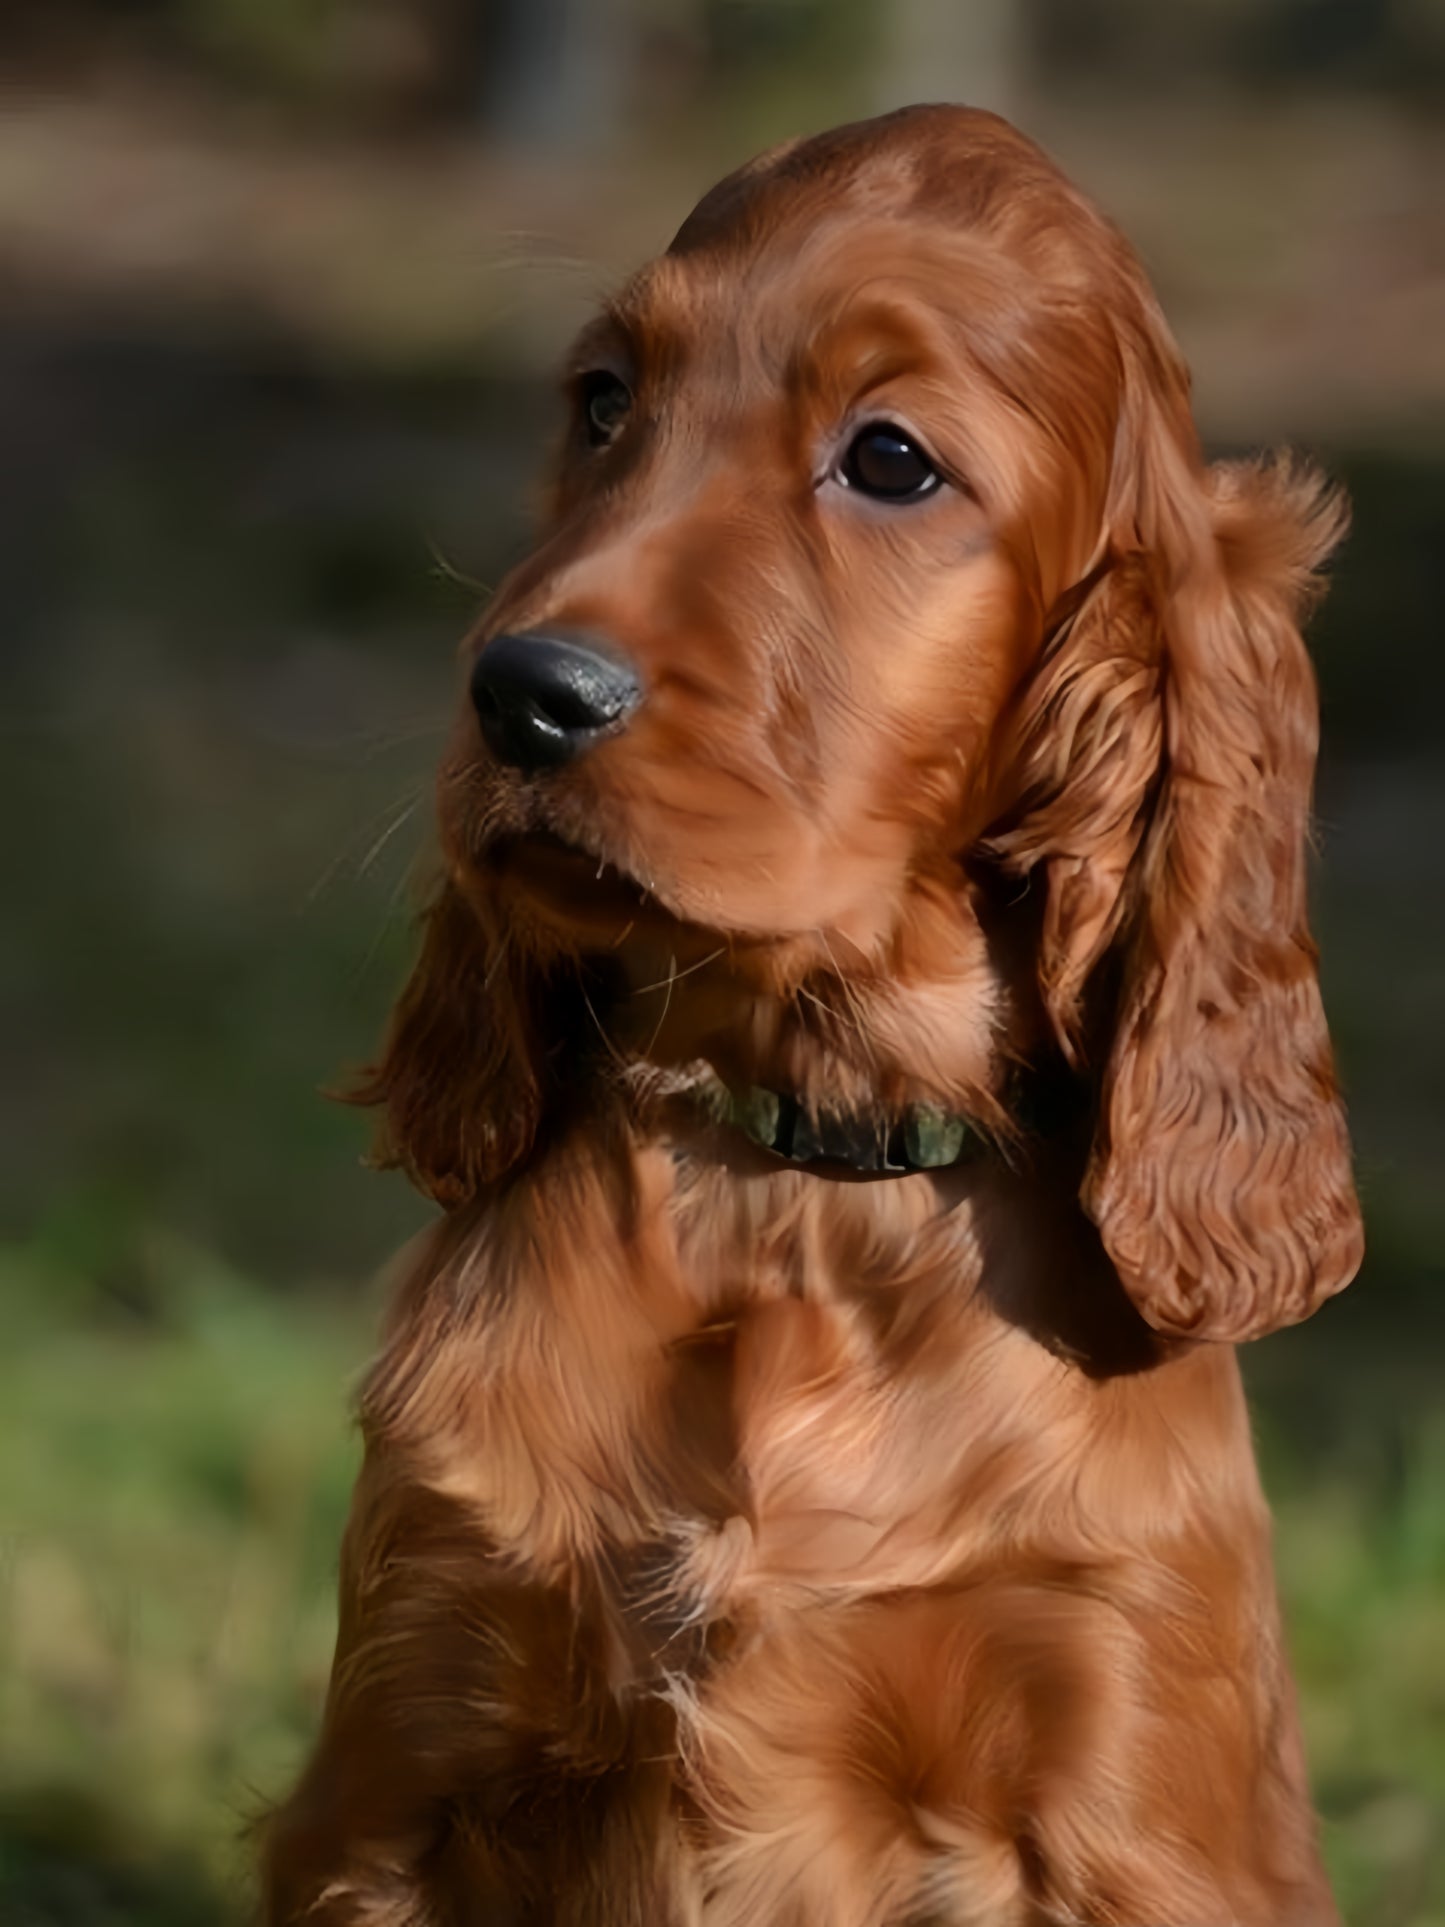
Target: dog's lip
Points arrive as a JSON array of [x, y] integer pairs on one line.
[[568, 878]]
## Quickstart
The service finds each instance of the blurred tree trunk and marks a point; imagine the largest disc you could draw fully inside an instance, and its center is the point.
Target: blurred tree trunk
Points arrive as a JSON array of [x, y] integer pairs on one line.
[[966, 50], [559, 72]]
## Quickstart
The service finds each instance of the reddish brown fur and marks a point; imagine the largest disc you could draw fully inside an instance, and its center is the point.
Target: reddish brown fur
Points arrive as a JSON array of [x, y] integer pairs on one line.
[[747, 1547]]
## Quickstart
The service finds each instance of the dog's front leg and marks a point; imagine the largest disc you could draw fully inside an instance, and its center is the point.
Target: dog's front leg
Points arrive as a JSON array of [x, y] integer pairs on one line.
[[482, 1759]]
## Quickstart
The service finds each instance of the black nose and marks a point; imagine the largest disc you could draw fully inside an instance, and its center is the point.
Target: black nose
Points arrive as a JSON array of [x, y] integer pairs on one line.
[[541, 700]]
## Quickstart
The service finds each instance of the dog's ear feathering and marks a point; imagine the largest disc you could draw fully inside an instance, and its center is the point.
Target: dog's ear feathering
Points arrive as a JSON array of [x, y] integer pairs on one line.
[[1166, 761], [457, 1081]]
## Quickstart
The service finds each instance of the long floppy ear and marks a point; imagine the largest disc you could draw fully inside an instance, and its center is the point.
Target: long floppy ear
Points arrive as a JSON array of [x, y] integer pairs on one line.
[[457, 1077], [1171, 745]]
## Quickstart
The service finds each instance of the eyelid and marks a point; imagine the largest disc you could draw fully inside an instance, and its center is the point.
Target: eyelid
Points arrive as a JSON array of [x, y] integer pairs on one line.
[[598, 374], [581, 379], [603, 343], [870, 414]]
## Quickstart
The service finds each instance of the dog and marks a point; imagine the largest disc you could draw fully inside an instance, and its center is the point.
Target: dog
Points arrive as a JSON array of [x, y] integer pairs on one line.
[[867, 1045]]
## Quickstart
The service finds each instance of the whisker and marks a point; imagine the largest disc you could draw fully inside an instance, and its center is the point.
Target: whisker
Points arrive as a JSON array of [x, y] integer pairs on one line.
[[678, 975], [387, 834], [444, 566], [666, 1006], [406, 805], [376, 742], [617, 1056], [535, 248], [500, 958], [849, 997], [801, 990], [384, 922], [844, 937]]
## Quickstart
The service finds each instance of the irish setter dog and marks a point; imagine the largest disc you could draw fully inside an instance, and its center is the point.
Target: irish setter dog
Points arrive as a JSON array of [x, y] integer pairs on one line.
[[866, 1043]]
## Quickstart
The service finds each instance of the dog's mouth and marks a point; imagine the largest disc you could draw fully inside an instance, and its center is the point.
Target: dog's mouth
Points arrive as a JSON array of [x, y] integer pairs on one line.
[[570, 884]]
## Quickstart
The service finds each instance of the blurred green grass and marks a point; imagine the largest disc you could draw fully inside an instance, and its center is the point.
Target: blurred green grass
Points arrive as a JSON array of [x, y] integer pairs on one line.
[[175, 1457]]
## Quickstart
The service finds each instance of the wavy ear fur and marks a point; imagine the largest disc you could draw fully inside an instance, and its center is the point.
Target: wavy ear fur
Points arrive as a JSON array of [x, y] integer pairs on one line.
[[1169, 751], [457, 1079]]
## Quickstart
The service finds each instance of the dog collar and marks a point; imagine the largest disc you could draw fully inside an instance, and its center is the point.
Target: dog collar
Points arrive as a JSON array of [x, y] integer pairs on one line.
[[924, 1137]]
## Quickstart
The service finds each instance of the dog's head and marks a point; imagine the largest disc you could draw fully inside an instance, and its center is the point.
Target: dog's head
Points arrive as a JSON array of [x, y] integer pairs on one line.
[[881, 564]]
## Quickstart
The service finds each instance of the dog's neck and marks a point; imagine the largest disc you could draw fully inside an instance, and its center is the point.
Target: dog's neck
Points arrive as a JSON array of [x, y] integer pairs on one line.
[[1002, 1223], [883, 1065]]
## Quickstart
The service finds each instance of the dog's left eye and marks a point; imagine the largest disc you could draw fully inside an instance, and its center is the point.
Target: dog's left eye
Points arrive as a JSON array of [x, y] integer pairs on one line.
[[885, 461], [606, 402]]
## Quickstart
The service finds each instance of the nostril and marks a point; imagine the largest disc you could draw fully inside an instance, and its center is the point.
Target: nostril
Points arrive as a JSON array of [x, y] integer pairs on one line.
[[580, 702]]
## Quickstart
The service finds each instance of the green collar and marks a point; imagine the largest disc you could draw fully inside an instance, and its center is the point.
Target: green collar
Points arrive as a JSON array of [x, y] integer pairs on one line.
[[923, 1138]]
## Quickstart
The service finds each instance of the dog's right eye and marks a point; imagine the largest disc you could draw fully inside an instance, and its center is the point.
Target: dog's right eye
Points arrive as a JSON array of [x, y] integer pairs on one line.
[[606, 403], [886, 462]]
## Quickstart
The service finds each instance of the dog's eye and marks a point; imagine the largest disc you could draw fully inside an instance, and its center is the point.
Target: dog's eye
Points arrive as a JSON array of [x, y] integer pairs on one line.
[[606, 401], [885, 461]]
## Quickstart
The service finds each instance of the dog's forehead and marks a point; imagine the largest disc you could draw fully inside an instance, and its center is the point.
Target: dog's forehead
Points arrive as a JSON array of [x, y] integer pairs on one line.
[[831, 296], [784, 284], [951, 163], [929, 199], [784, 195]]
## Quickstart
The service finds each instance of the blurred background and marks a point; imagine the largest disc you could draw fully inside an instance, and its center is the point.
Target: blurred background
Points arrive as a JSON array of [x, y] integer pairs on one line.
[[281, 284]]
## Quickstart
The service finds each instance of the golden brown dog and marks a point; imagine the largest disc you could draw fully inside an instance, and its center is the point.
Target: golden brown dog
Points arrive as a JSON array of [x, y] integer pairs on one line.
[[868, 1046]]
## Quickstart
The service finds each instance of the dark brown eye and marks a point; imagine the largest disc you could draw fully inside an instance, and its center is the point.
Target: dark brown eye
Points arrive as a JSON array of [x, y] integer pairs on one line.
[[606, 400], [885, 461]]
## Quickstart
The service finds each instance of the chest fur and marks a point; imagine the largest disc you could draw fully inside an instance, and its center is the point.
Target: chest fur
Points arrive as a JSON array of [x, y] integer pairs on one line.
[[740, 1389]]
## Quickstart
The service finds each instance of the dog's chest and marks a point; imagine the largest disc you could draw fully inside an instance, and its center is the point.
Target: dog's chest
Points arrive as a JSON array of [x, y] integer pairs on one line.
[[727, 1398], [750, 1403], [851, 1440]]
